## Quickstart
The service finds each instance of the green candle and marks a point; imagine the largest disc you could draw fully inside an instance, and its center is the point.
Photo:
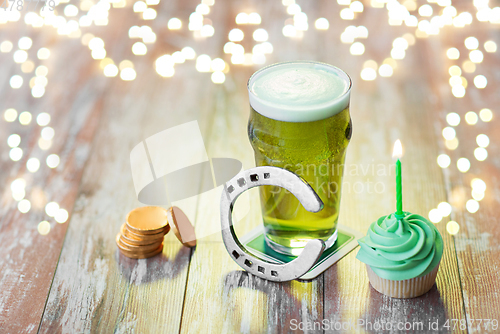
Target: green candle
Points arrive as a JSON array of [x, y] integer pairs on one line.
[[399, 190], [397, 153]]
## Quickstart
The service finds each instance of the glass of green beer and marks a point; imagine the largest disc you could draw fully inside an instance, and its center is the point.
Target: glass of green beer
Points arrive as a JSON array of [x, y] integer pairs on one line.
[[300, 121]]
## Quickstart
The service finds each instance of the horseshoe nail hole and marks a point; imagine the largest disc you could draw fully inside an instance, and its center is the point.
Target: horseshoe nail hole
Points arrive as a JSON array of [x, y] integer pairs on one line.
[[230, 189], [261, 269], [274, 273], [248, 263], [241, 182], [267, 175], [236, 255], [254, 177]]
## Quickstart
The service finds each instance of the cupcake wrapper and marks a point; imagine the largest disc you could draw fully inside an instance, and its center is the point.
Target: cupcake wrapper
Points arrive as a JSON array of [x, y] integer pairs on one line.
[[409, 288]]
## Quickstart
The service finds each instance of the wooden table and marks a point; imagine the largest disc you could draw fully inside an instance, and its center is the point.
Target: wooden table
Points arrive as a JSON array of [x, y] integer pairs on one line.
[[73, 279]]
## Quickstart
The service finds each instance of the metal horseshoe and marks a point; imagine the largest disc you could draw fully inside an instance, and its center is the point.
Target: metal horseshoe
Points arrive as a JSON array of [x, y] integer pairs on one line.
[[260, 176]]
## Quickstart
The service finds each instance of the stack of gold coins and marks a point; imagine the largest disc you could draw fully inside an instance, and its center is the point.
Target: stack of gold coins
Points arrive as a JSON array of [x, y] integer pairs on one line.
[[142, 234]]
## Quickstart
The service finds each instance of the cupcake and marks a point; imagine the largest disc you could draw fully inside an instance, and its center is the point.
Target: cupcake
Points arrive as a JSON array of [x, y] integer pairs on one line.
[[401, 255]]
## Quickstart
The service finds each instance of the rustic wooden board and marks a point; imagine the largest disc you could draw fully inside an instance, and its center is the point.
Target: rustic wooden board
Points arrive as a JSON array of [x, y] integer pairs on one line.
[[99, 120], [477, 241], [383, 111], [151, 291], [28, 259]]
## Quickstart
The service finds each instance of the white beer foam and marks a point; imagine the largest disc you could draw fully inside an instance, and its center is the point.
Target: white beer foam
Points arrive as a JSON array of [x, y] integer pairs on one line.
[[299, 91]]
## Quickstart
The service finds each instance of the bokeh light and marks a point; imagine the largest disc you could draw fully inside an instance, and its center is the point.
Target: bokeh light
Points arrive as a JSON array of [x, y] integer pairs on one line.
[[322, 24], [385, 70], [368, 74], [455, 70], [478, 185], [43, 227], [53, 160], [51, 209], [236, 35], [203, 63], [10, 115], [449, 133], [476, 56], [453, 119], [20, 56], [490, 46], [480, 81], [444, 209], [346, 14], [139, 49], [47, 133], [61, 216], [458, 91], [25, 118], [357, 49], [111, 70], [451, 144], [480, 154], [174, 23], [452, 227], [482, 140], [260, 35], [486, 115], [453, 53], [6, 46], [43, 119], [33, 164], [16, 154], [24, 206], [469, 66], [443, 160], [425, 10], [472, 205], [128, 74], [188, 52], [16, 81], [25, 43], [471, 43], [471, 118], [435, 216], [463, 165], [14, 140], [218, 77]]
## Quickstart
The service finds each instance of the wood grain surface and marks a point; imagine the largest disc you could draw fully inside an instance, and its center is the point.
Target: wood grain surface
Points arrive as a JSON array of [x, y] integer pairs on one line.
[[74, 280]]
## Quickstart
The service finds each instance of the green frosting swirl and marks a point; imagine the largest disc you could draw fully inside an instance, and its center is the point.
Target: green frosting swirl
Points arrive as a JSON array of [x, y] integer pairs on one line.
[[400, 249]]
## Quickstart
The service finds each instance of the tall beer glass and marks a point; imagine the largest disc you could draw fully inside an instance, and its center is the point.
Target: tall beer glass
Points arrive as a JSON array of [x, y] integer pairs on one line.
[[300, 121]]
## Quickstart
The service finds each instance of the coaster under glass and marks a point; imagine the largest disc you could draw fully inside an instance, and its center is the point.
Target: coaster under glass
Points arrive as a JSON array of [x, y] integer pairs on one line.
[[347, 240], [296, 251]]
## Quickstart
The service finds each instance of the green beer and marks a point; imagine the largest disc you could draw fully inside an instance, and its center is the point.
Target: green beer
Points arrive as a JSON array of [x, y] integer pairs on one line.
[[303, 126]]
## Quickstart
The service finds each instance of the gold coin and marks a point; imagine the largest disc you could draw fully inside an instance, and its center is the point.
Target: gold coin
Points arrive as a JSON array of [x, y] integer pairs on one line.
[[141, 235], [140, 240], [137, 254], [134, 248], [141, 248], [142, 256], [147, 220], [181, 226]]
